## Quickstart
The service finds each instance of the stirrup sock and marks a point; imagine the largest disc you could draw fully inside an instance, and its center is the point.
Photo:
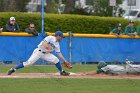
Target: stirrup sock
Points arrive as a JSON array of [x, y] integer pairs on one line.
[[19, 66], [58, 65]]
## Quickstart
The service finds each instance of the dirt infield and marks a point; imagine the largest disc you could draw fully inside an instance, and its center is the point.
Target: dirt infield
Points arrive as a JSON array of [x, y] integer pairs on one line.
[[72, 75]]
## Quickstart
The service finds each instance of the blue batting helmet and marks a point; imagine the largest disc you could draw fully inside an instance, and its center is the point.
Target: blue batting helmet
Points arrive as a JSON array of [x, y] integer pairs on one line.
[[59, 33]]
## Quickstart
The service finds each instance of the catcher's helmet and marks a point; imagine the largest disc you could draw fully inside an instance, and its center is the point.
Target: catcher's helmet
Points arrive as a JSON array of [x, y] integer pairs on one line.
[[101, 64], [59, 33]]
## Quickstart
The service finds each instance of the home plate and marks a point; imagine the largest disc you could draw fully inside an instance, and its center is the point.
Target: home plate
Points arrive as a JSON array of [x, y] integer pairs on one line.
[[71, 73]]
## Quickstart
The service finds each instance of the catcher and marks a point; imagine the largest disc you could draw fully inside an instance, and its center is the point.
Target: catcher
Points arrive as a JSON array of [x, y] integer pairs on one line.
[[44, 51]]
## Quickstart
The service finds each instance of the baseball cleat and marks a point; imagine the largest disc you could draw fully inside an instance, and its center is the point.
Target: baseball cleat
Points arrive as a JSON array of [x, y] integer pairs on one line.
[[11, 71], [63, 73]]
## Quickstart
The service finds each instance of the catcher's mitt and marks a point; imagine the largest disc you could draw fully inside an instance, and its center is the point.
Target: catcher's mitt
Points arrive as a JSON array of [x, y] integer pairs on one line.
[[67, 65]]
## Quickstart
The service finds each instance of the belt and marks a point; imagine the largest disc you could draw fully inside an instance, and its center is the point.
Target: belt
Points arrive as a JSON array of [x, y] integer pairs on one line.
[[41, 51]]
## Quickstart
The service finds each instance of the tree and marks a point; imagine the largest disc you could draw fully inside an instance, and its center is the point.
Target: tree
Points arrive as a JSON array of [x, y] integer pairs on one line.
[[99, 8], [102, 8], [1, 6], [21, 5], [69, 6], [13, 5], [8, 6], [48, 5], [51, 6]]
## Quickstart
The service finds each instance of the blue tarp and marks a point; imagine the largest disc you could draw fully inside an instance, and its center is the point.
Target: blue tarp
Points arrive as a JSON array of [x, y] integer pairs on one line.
[[105, 49], [19, 48]]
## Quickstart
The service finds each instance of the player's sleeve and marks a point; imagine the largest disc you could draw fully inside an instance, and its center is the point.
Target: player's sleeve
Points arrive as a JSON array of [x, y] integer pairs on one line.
[[113, 31], [47, 39], [105, 69]]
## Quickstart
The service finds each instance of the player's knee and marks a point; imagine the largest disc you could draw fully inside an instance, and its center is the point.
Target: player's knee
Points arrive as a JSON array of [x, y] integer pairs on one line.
[[28, 63], [56, 60]]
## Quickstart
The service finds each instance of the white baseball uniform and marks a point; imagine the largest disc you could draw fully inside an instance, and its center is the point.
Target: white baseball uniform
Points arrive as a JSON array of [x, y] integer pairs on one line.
[[42, 52], [117, 69], [114, 69], [133, 69]]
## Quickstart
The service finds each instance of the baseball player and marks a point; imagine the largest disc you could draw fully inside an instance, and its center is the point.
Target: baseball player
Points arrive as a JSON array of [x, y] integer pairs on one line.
[[102, 67], [110, 69], [132, 68], [130, 29], [117, 31], [44, 51]]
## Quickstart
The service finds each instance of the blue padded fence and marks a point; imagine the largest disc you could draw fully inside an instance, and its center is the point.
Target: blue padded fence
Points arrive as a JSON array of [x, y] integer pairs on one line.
[[105, 49], [19, 48]]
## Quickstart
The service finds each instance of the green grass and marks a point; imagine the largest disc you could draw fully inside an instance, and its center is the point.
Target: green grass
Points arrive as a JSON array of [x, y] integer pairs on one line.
[[68, 86], [48, 68], [65, 85]]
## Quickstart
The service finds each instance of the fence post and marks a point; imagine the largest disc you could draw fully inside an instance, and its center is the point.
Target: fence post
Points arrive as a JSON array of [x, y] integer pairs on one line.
[[42, 16], [70, 45]]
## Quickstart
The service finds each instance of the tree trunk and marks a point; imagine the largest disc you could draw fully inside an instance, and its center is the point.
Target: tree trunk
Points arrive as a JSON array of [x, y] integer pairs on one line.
[[69, 6], [48, 5]]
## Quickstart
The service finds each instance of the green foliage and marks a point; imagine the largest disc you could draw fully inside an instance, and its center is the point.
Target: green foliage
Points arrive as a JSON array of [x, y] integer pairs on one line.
[[102, 7], [74, 23], [13, 5], [52, 7], [23, 19]]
